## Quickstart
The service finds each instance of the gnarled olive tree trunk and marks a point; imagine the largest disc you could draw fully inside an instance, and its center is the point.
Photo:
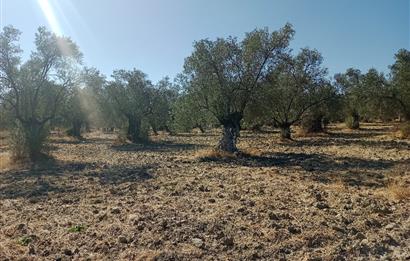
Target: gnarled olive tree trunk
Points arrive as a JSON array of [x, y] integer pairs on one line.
[[353, 121], [285, 131], [231, 128], [134, 129], [34, 136], [75, 130]]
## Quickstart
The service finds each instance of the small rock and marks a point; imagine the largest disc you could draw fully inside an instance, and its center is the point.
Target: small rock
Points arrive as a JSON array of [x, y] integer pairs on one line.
[[211, 200], [273, 216], [391, 241], [198, 242], [102, 217], [115, 210], [391, 226], [360, 236], [122, 240], [294, 230], [31, 250], [322, 205], [68, 252], [229, 242]]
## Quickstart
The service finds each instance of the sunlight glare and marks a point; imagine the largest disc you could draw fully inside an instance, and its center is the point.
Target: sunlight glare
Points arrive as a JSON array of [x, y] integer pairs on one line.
[[48, 12]]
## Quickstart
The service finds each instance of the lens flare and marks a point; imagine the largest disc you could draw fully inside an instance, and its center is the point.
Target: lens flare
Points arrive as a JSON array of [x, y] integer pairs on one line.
[[48, 12]]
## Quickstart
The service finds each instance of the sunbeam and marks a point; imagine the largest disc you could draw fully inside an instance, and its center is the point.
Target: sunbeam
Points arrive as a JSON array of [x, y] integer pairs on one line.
[[48, 12]]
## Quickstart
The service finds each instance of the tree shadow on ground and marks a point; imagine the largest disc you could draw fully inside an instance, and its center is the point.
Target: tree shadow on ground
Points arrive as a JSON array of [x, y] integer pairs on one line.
[[163, 146], [347, 140], [193, 135], [320, 167], [118, 175], [64, 178]]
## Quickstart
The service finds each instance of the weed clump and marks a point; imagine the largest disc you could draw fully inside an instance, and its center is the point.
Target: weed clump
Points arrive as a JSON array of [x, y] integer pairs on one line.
[[24, 240], [76, 228]]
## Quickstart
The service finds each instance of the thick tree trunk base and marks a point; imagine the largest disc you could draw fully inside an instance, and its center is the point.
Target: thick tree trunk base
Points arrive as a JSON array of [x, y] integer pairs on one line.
[[227, 143], [75, 130], [230, 132], [285, 132], [134, 130]]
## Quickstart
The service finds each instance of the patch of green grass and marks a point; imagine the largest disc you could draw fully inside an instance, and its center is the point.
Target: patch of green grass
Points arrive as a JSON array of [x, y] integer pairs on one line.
[[77, 228], [24, 240]]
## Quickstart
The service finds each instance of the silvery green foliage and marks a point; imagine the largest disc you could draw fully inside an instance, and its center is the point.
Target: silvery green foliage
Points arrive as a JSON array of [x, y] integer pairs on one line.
[[34, 90], [223, 75]]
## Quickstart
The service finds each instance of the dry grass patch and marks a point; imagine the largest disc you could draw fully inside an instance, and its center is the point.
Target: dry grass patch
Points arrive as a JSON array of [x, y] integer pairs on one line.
[[402, 131], [398, 191], [338, 185], [5, 161]]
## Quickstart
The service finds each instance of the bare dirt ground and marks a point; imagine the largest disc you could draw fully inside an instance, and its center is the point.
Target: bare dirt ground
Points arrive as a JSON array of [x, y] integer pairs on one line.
[[337, 196]]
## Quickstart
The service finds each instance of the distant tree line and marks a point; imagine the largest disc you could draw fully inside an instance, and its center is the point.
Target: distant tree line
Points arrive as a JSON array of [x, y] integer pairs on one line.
[[230, 83]]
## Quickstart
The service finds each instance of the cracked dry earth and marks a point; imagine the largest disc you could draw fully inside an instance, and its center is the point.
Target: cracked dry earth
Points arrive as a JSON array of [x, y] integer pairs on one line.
[[316, 198]]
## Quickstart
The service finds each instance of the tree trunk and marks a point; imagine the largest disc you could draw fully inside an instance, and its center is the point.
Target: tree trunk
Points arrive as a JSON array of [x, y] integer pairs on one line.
[[257, 127], [230, 133], [34, 138], [134, 129], [154, 129], [285, 131], [76, 129], [199, 126], [169, 130], [356, 122], [87, 127]]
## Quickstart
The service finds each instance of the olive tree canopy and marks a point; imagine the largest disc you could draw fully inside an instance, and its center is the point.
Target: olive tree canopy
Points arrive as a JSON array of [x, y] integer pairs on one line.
[[35, 89], [224, 75]]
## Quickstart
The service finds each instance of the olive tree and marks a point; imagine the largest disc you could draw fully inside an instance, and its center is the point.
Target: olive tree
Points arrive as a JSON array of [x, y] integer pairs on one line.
[[295, 87], [93, 99], [163, 96], [74, 112], [374, 88], [187, 115], [130, 93], [35, 89], [400, 86], [350, 83], [224, 75]]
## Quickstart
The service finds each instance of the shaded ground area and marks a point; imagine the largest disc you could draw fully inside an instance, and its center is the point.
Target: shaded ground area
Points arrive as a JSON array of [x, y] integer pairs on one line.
[[327, 197]]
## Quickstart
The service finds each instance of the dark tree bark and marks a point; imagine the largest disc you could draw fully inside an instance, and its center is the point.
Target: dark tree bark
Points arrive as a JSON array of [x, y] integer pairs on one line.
[[34, 137], [355, 121], [134, 129], [154, 129], [285, 131], [169, 130], [87, 127], [201, 129], [75, 130], [231, 128]]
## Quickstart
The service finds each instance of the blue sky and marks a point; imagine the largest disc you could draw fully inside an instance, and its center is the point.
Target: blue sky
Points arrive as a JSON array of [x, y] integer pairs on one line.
[[156, 35]]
